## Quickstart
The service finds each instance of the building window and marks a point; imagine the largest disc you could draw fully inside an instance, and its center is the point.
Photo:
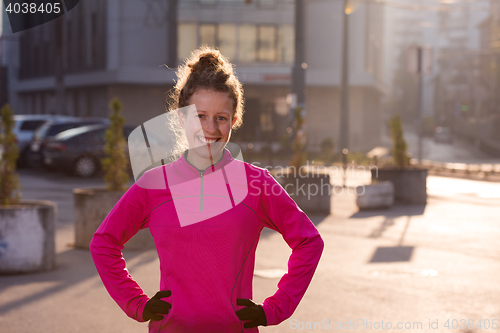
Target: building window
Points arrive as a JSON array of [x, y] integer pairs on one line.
[[93, 39], [69, 48], [186, 39], [245, 43], [266, 3], [37, 53], [48, 49], [248, 43], [227, 40], [266, 43], [80, 40], [207, 34], [286, 44], [247, 3], [207, 2]]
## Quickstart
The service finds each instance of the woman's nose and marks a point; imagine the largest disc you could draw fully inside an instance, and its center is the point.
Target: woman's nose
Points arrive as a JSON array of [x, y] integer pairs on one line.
[[210, 126]]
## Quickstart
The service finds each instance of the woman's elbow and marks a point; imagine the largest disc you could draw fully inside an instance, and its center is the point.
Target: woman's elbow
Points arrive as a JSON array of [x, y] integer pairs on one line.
[[93, 245], [319, 244], [96, 243]]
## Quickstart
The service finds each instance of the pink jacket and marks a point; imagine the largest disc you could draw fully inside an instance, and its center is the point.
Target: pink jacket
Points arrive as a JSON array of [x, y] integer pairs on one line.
[[206, 226]]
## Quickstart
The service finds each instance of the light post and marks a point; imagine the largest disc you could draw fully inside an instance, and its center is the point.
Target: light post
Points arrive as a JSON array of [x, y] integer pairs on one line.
[[420, 61], [349, 7], [59, 91], [344, 99], [297, 97], [172, 33], [299, 66]]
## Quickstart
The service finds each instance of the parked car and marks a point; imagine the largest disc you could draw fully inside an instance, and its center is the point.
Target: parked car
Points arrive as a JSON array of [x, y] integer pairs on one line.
[[79, 151], [49, 130], [443, 134], [24, 128]]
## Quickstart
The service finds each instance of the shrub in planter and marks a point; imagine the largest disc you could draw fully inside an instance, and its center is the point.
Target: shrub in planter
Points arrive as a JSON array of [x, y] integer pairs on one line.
[[27, 228], [327, 151], [399, 145], [309, 189], [9, 182], [299, 156], [92, 205], [114, 165], [410, 183]]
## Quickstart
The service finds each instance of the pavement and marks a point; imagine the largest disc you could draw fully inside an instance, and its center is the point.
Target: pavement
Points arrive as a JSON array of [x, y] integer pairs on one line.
[[416, 267]]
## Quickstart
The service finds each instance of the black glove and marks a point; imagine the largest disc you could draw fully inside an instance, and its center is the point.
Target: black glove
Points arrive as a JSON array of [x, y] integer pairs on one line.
[[155, 308], [253, 312]]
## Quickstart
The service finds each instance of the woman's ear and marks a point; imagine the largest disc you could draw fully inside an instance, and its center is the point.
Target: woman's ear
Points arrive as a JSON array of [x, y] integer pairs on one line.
[[234, 121], [182, 117]]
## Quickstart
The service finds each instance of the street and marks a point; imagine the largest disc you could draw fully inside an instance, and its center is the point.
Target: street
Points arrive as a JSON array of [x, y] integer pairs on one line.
[[407, 264], [449, 258]]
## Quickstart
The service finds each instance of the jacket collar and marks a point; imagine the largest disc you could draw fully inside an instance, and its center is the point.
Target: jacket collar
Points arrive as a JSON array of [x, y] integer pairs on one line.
[[187, 169]]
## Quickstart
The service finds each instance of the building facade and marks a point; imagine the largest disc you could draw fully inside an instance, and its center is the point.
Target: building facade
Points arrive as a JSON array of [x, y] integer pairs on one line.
[[107, 48], [477, 116]]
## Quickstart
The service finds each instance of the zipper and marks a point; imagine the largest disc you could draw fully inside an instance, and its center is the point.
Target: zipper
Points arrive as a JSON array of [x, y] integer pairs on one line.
[[201, 189], [202, 173]]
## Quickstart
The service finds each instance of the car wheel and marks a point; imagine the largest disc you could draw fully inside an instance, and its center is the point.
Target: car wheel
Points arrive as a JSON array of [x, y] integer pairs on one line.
[[85, 166]]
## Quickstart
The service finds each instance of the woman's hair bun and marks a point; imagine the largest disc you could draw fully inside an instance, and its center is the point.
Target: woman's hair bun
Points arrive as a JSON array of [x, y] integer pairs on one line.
[[206, 61], [207, 68]]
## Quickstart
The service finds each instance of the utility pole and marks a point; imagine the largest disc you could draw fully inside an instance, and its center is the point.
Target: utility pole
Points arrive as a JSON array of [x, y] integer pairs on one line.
[[297, 98], [420, 72], [344, 89], [420, 60], [299, 66], [172, 33], [60, 101]]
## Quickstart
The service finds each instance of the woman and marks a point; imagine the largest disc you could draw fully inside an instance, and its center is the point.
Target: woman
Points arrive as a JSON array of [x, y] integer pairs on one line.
[[206, 211]]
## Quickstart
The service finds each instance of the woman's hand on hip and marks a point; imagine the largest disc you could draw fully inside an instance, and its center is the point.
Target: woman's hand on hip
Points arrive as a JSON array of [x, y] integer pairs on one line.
[[253, 312], [155, 308]]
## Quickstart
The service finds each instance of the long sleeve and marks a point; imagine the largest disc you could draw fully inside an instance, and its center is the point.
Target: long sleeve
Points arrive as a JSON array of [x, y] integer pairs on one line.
[[129, 215], [279, 212]]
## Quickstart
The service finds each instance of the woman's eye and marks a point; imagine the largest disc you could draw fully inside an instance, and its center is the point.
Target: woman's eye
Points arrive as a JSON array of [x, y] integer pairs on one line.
[[219, 118]]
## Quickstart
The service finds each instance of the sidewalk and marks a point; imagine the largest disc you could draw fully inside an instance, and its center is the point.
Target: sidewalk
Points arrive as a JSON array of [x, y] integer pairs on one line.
[[407, 264]]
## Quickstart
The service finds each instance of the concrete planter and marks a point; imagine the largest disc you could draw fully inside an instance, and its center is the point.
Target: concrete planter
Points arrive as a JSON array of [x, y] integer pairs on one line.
[[92, 205], [410, 184], [375, 196], [311, 191], [27, 237]]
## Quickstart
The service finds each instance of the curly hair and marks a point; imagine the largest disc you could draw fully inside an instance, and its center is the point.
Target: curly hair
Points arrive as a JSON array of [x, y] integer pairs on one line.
[[207, 68]]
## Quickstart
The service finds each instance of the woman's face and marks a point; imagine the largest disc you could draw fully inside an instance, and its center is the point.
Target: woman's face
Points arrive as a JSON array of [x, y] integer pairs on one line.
[[208, 126]]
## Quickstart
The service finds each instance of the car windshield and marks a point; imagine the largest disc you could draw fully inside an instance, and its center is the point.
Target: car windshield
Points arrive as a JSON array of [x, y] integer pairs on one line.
[[99, 135], [42, 131], [31, 125], [56, 129]]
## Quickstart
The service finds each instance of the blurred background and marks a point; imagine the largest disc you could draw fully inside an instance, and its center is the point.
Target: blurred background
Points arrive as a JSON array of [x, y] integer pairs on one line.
[[75, 64], [326, 74]]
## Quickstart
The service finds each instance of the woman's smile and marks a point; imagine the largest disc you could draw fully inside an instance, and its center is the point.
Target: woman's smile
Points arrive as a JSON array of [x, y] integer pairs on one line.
[[207, 140]]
